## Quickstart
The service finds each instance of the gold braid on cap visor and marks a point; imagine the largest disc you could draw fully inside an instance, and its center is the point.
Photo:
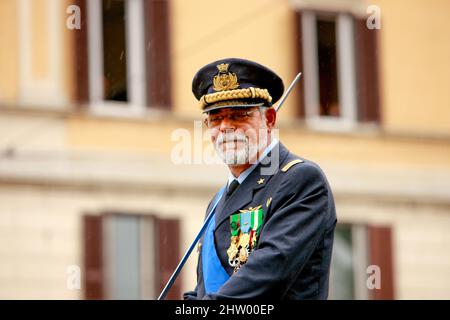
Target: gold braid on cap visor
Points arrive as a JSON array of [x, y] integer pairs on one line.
[[248, 93]]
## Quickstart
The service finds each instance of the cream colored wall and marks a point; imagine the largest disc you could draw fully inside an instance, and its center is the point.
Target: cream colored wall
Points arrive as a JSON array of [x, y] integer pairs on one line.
[[414, 88], [9, 68], [41, 232], [42, 236], [415, 65], [39, 45], [49, 54], [420, 243], [155, 137], [68, 56], [205, 31], [415, 69], [25, 132]]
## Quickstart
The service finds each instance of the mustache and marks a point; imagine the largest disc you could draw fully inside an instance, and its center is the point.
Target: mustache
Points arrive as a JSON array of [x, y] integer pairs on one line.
[[230, 137]]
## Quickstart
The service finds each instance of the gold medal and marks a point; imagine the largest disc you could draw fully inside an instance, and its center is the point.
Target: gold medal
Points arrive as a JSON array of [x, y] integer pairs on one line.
[[244, 240], [243, 255], [232, 251]]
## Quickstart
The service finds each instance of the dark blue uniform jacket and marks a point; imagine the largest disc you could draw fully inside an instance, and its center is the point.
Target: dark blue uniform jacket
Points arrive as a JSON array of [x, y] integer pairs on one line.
[[293, 254]]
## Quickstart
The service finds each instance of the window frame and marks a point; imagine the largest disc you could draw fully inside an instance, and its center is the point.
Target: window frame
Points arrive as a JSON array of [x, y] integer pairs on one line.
[[371, 244], [346, 65], [359, 258], [156, 266], [136, 61]]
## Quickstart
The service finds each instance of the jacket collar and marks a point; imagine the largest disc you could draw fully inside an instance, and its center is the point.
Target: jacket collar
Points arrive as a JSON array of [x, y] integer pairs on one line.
[[256, 180]]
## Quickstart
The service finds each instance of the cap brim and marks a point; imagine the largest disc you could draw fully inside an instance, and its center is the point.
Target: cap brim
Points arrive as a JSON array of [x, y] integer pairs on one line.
[[213, 107]]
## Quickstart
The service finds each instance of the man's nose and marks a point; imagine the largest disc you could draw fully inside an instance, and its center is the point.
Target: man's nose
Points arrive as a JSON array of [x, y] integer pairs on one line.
[[227, 124]]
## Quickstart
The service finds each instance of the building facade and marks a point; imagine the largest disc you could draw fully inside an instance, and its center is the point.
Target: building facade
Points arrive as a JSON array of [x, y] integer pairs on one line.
[[95, 100]]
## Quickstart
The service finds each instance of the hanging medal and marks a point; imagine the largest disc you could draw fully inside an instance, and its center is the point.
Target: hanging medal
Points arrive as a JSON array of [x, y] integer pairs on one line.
[[257, 219], [233, 250], [245, 227]]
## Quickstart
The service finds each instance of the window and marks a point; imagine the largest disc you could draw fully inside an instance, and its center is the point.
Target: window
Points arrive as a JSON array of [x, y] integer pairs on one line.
[[126, 256], [116, 56], [356, 247], [348, 263], [122, 59], [338, 55], [114, 51], [328, 57], [327, 67]]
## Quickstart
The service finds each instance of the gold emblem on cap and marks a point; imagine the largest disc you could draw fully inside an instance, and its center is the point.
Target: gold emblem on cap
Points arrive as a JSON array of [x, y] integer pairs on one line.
[[225, 80], [260, 181]]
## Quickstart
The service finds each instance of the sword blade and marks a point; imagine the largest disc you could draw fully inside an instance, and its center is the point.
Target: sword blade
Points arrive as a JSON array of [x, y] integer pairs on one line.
[[289, 89]]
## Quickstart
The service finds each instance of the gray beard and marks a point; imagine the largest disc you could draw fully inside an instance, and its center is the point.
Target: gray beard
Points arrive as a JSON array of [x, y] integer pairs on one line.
[[243, 155], [236, 157]]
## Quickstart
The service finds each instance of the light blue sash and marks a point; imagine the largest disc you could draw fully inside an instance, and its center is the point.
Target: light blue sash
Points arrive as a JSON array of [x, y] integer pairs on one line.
[[214, 275]]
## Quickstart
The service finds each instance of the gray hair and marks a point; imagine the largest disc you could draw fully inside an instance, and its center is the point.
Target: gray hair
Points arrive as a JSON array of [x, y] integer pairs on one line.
[[262, 110]]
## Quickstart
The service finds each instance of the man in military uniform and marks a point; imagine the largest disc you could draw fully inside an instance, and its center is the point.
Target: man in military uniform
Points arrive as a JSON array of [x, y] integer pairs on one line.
[[271, 235]]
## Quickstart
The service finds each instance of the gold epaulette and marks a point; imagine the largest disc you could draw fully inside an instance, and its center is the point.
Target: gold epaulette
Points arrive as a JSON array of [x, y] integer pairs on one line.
[[290, 164]]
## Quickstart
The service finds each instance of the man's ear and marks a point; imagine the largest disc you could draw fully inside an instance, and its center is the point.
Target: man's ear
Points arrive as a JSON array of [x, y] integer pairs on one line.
[[271, 117]]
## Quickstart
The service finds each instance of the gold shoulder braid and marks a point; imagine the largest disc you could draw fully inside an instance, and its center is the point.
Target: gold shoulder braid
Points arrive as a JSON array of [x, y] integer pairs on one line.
[[290, 164]]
